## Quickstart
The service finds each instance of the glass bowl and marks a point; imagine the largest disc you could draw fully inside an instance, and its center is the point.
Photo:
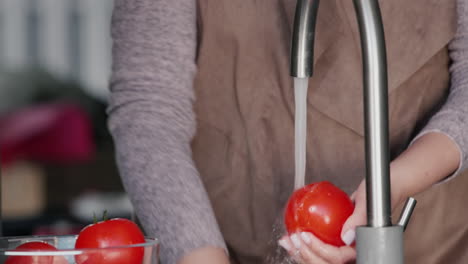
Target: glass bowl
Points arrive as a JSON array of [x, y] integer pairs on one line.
[[145, 253]]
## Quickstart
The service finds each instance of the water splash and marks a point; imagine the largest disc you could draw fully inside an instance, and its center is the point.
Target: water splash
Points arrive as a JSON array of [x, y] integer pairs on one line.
[[277, 254]]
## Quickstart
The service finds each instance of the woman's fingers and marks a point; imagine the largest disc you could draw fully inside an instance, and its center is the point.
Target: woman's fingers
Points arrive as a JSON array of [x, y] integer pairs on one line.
[[308, 257], [286, 243], [303, 253], [306, 248], [358, 218], [327, 252]]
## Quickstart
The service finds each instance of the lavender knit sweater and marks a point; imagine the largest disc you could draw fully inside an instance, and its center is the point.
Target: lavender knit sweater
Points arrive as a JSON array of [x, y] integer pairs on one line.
[[152, 121]]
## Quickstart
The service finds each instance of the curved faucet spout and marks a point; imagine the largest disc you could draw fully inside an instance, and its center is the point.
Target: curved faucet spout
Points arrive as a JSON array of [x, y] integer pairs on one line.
[[375, 94], [302, 49], [379, 241], [374, 62]]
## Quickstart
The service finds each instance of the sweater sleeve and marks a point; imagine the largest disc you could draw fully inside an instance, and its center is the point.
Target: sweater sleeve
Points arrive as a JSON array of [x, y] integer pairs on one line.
[[452, 118], [152, 122]]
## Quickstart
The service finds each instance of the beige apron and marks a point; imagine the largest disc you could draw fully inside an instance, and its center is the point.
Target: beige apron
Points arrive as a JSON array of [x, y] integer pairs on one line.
[[244, 147]]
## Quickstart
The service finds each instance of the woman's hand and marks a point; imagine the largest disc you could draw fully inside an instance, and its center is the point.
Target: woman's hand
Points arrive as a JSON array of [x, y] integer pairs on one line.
[[430, 159], [306, 248]]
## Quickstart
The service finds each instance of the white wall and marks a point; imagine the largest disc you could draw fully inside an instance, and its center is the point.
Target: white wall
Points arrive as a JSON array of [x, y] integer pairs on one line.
[[68, 38]]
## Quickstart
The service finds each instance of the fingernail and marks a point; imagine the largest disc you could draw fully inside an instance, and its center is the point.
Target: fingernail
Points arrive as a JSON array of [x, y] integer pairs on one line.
[[285, 244], [306, 237], [348, 237], [296, 241]]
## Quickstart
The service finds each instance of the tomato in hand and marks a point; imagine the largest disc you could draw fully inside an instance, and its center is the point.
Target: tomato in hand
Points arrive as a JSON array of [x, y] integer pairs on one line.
[[111, 233], [319, 208], [35, 246]]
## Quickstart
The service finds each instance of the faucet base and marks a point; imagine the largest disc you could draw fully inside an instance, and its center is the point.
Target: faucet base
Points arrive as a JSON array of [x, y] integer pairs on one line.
[[379, 245]]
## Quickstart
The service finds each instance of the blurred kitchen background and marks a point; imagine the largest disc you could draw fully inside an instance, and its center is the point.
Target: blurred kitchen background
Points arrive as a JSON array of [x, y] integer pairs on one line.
[[57, 157]]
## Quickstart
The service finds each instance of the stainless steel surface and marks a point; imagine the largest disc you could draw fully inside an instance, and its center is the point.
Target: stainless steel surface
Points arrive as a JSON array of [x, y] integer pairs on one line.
[[406, 213], [376, 112], [302, 49], [381, 245], [379, 231], [375, 94]]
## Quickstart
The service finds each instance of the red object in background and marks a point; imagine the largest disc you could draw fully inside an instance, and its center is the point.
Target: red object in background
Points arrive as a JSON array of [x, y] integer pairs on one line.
[[111, 233], [50, 133], [319, 208], [35, 246]]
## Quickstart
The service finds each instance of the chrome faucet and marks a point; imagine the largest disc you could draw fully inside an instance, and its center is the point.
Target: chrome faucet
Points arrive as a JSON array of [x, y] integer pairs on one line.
[[379, 242]]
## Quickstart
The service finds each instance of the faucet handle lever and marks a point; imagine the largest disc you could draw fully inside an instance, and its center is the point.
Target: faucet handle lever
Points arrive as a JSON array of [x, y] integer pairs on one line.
[[407, 212]]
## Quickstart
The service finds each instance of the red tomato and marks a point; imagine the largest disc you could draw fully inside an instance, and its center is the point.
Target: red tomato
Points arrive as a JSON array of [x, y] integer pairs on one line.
[[320, 208], [111, 233], [35, 246]]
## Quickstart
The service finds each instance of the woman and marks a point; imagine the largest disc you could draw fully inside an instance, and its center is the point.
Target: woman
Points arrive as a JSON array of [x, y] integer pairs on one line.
[[201, 111]]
